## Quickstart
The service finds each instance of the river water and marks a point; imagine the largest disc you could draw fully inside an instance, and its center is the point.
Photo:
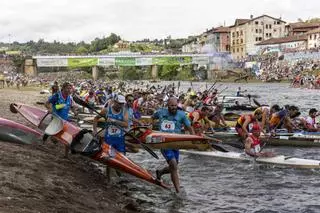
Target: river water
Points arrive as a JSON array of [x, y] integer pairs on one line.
[[212, 185]]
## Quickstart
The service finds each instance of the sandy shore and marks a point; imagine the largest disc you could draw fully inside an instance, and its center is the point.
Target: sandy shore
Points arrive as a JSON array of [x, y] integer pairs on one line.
[[36, 178]]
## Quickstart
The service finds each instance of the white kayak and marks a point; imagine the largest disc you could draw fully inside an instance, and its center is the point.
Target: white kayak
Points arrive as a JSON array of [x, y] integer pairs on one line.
[[280, 160]]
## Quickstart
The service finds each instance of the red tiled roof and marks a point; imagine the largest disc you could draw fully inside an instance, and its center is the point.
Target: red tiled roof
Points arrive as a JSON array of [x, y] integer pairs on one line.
[[221, 30], [317, 30], [283, 40], [304, 25]]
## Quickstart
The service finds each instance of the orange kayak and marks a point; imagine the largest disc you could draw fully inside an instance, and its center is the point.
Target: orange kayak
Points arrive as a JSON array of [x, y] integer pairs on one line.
[[82, 142], [163, 140]]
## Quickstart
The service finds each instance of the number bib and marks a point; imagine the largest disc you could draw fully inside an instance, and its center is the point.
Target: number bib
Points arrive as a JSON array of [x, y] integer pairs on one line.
[[114, 131], [167, 125], [257, 148]]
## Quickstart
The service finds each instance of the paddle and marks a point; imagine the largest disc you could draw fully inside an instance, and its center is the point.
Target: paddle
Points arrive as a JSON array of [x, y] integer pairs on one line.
[[84, 104], [236, 145]]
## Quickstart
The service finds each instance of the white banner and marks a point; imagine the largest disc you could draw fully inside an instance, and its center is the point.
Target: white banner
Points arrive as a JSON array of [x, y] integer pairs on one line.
[[201, 60], [143, 61], [106, 62], [52, 62]]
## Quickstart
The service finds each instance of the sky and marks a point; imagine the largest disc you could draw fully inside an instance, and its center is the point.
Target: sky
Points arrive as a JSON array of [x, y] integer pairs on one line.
[[83, 20]]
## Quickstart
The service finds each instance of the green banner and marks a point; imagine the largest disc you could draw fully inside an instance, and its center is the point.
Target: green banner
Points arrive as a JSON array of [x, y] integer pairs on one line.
[[125, 61], [82, 62], [172, 60]]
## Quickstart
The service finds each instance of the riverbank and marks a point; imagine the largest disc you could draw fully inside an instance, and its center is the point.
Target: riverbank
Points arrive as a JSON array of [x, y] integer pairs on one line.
[[36, 178]]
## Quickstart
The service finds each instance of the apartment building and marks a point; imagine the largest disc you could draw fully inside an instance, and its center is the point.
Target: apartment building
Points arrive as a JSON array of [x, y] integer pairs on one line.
[[245, 33], [220, 38], [313, 38]]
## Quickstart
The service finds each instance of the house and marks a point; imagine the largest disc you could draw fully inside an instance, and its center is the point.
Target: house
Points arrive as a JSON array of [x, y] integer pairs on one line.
[[219, 38], [245, 33], [284, 44], [300, 28], [192, 45], [313, 38]]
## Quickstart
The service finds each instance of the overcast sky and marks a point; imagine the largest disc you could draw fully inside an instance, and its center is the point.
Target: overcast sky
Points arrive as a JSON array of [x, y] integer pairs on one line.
[[77, 20]]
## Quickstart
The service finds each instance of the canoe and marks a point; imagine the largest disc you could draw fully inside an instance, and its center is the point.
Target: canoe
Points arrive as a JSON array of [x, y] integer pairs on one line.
[[279, 160], [301, 139], [163, 140], [13, 132], [70, 135]]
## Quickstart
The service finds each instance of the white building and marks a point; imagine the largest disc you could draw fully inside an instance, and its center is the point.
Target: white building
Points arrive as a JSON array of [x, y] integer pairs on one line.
[[245, 33], [313, 38], [285, 44]]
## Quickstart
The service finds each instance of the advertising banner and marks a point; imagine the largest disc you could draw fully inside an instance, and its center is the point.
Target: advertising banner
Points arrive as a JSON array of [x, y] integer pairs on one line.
[[106, 62], [82, 62], [143, 61], [125, 61], [52, 62], [172, 60]]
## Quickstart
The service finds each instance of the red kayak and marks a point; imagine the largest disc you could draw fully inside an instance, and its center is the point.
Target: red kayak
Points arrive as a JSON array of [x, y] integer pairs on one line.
[[82, 141], [11, 131]]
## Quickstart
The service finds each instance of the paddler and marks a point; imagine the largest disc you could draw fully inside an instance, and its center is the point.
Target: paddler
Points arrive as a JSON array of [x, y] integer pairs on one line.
[[117, 121], [266, 115], [245, 122], [171, 120], [61, 102], [282, 119], [311, 123], [199, 120], [253, 143]]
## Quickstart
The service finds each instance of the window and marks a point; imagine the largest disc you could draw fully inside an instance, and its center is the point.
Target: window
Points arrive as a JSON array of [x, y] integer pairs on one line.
[[274, 30], [241, 49], [232, 34], [257, 31], [237, 33], [256, 22], [241, 32], [237, 41], [270, 26], [310, 36], [315, 37], [278, 22], [260, 30], [241, 41], [260, 38], [233, 42], [267, 26], [237, 50], [270, 35]]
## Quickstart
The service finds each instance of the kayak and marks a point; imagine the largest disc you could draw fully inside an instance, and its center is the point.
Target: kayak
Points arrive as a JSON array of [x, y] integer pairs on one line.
[[82, 142], [164, 140], [279, 160], [13, 132], [299, 139]]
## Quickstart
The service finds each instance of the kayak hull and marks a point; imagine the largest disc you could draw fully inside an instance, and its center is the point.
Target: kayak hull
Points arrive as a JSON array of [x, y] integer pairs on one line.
[[279, 160], [294, 140], [107, 155], [13, 132]]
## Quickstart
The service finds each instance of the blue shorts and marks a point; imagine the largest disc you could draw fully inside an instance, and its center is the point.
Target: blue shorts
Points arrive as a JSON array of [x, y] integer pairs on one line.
[[169, 154], [119, 146]]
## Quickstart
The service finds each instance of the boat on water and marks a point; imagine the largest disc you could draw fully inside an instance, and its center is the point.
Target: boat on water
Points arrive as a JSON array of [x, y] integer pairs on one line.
[[298, 139], [279, 160], [82, 142]]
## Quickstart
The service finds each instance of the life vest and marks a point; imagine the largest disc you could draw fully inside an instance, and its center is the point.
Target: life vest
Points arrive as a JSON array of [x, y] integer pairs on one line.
[[191, 117], [242, 119], [62, 106], [114, 134], [255, 146]]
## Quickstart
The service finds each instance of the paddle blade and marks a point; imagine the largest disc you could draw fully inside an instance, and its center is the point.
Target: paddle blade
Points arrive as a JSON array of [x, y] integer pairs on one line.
[[218, 148], [149, 150]]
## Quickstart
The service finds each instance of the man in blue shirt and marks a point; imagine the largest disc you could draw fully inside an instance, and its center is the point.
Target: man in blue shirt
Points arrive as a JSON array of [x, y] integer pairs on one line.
[[171, 120], [61, 102]]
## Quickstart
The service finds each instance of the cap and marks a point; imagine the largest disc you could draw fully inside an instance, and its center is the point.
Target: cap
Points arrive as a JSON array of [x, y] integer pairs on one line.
[[120, 99]]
